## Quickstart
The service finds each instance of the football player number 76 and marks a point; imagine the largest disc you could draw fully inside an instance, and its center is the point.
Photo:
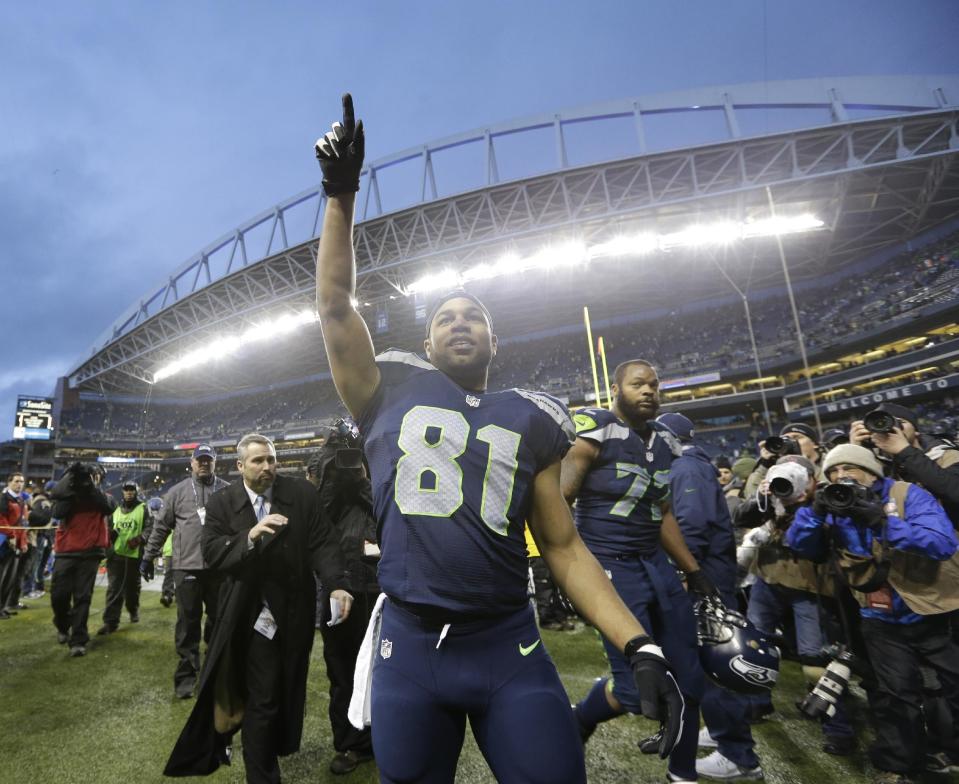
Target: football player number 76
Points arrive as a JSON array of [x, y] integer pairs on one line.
[[429, 479]]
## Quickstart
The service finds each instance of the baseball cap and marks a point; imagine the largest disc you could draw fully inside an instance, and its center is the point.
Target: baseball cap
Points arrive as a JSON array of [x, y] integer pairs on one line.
[[204, 450], [677, 424]]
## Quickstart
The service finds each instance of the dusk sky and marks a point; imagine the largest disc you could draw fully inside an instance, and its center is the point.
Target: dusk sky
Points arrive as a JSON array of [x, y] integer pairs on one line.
[[135, 133]]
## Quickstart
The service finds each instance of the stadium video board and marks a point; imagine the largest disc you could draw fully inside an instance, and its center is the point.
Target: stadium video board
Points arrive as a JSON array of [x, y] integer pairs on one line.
[[34, 419]]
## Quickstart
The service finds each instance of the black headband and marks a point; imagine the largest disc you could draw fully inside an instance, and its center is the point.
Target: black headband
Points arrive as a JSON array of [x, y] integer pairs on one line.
[[455, 294]]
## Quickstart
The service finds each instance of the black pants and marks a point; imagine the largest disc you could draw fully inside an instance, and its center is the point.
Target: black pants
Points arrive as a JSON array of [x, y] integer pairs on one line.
[[70, 592], [195, 590], [896, 651], [168, 588], [45, 547], [341, 643], [8, 573], [261, 711], [123, 587]]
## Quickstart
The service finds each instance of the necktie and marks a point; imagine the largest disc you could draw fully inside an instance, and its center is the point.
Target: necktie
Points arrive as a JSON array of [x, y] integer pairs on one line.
[[261, 507]]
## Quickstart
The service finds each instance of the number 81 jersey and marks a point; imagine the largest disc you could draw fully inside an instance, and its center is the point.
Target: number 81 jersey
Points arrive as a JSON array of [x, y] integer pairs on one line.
[[452, 474]]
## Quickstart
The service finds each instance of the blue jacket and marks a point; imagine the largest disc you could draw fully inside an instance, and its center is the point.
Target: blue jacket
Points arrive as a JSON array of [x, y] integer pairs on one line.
[[926, 531], [700, 506]]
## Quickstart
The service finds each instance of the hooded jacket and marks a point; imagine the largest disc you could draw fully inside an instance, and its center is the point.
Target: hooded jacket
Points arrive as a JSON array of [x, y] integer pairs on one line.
[[700, 506]]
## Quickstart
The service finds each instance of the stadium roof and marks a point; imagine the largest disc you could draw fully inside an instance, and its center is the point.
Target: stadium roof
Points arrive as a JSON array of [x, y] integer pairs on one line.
[[873, 158]]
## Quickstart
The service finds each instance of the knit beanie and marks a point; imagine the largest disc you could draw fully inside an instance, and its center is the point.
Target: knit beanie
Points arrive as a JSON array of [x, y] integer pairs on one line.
[[743, 467], [852, 454]]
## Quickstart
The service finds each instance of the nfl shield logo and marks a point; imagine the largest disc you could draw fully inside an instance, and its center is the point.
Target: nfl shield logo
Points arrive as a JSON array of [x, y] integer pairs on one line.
[[472, 401], [386, 648]]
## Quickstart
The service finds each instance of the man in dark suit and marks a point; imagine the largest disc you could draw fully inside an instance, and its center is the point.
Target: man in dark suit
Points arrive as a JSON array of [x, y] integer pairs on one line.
[[267, 536]]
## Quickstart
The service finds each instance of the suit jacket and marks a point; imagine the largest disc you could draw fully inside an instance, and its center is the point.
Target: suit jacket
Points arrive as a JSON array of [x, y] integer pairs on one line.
[[280, 570]]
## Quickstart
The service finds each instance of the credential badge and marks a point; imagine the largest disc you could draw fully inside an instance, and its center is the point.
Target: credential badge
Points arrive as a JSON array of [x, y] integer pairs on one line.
[[386, 648], [472, 401]]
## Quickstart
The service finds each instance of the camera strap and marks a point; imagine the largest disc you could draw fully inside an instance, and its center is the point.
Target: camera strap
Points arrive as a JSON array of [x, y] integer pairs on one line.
[[859, 565]]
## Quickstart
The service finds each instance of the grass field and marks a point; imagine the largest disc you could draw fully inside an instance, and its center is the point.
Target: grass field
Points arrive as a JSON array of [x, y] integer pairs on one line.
[[112, 716]]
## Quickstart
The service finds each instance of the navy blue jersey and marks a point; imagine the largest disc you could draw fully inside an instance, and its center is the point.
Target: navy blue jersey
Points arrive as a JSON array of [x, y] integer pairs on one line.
[[618, 509], [452, 475]]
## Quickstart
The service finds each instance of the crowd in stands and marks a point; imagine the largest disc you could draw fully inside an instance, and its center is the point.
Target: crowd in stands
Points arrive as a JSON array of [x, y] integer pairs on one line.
[[680, 344]]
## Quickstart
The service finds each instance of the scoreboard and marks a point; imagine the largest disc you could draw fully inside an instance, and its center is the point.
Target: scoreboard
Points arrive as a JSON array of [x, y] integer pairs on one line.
[[34, 419]]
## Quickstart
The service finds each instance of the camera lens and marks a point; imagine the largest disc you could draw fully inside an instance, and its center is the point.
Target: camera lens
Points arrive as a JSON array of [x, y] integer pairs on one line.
[[776, 445], [879, 422], [781, 487], [839, 495]]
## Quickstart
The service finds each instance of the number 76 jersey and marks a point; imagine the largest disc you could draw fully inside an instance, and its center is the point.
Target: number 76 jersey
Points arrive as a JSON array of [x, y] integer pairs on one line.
[[452, 474]]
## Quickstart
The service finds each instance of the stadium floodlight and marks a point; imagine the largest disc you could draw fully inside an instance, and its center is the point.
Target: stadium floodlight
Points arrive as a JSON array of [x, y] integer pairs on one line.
[[226, 345], [623, 245], [571, 254]]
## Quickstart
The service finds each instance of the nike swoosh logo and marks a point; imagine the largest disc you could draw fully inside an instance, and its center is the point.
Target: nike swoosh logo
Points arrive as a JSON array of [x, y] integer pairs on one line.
[[690, 489], [526, 650]]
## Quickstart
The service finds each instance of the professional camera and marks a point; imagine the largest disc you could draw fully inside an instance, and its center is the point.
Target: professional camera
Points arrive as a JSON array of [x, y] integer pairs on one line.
[[782, 445], [344, 437], [832, 684], [787, 481], [879, 422], [840, 496]]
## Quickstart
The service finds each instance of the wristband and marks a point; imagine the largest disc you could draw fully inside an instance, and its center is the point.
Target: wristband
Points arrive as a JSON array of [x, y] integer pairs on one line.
[[634, 645]]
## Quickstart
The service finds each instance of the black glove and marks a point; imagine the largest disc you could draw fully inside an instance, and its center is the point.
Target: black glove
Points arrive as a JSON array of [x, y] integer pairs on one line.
[[819, 506], [146, 569], [867, 512], [659, 695], [340, 153], [700, 584]]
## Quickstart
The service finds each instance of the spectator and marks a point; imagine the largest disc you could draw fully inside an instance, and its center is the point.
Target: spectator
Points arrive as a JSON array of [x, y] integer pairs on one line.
[[13, 557]]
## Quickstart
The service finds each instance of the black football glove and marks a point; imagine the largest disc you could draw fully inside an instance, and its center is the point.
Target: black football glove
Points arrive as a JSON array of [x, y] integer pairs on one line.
[[340, 153], [146, 569], [659, 695], [701, 585], [819, 506], [867, 512]]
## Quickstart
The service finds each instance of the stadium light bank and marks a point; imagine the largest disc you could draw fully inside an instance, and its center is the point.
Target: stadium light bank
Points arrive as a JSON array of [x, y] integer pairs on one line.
[[570, 254], [550, 257]]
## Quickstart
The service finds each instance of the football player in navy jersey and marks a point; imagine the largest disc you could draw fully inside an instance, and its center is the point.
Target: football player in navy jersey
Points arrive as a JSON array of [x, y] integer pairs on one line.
[[617, 473], [455, 471]]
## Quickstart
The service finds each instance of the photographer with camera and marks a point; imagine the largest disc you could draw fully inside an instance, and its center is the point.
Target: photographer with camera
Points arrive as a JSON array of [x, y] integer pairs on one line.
[[930, 462], [787, 583], [82, 537], [795, 438], [895, 548], [338, 472]]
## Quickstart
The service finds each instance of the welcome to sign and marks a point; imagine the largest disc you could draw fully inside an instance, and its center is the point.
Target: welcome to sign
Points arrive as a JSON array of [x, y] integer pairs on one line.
[[873, 399]]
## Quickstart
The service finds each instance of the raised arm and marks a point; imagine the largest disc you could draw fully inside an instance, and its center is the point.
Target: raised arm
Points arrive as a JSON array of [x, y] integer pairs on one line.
[[349, 347]]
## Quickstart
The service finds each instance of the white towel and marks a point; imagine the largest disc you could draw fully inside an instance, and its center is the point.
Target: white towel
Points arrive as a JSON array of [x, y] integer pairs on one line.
[[361, 701]]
